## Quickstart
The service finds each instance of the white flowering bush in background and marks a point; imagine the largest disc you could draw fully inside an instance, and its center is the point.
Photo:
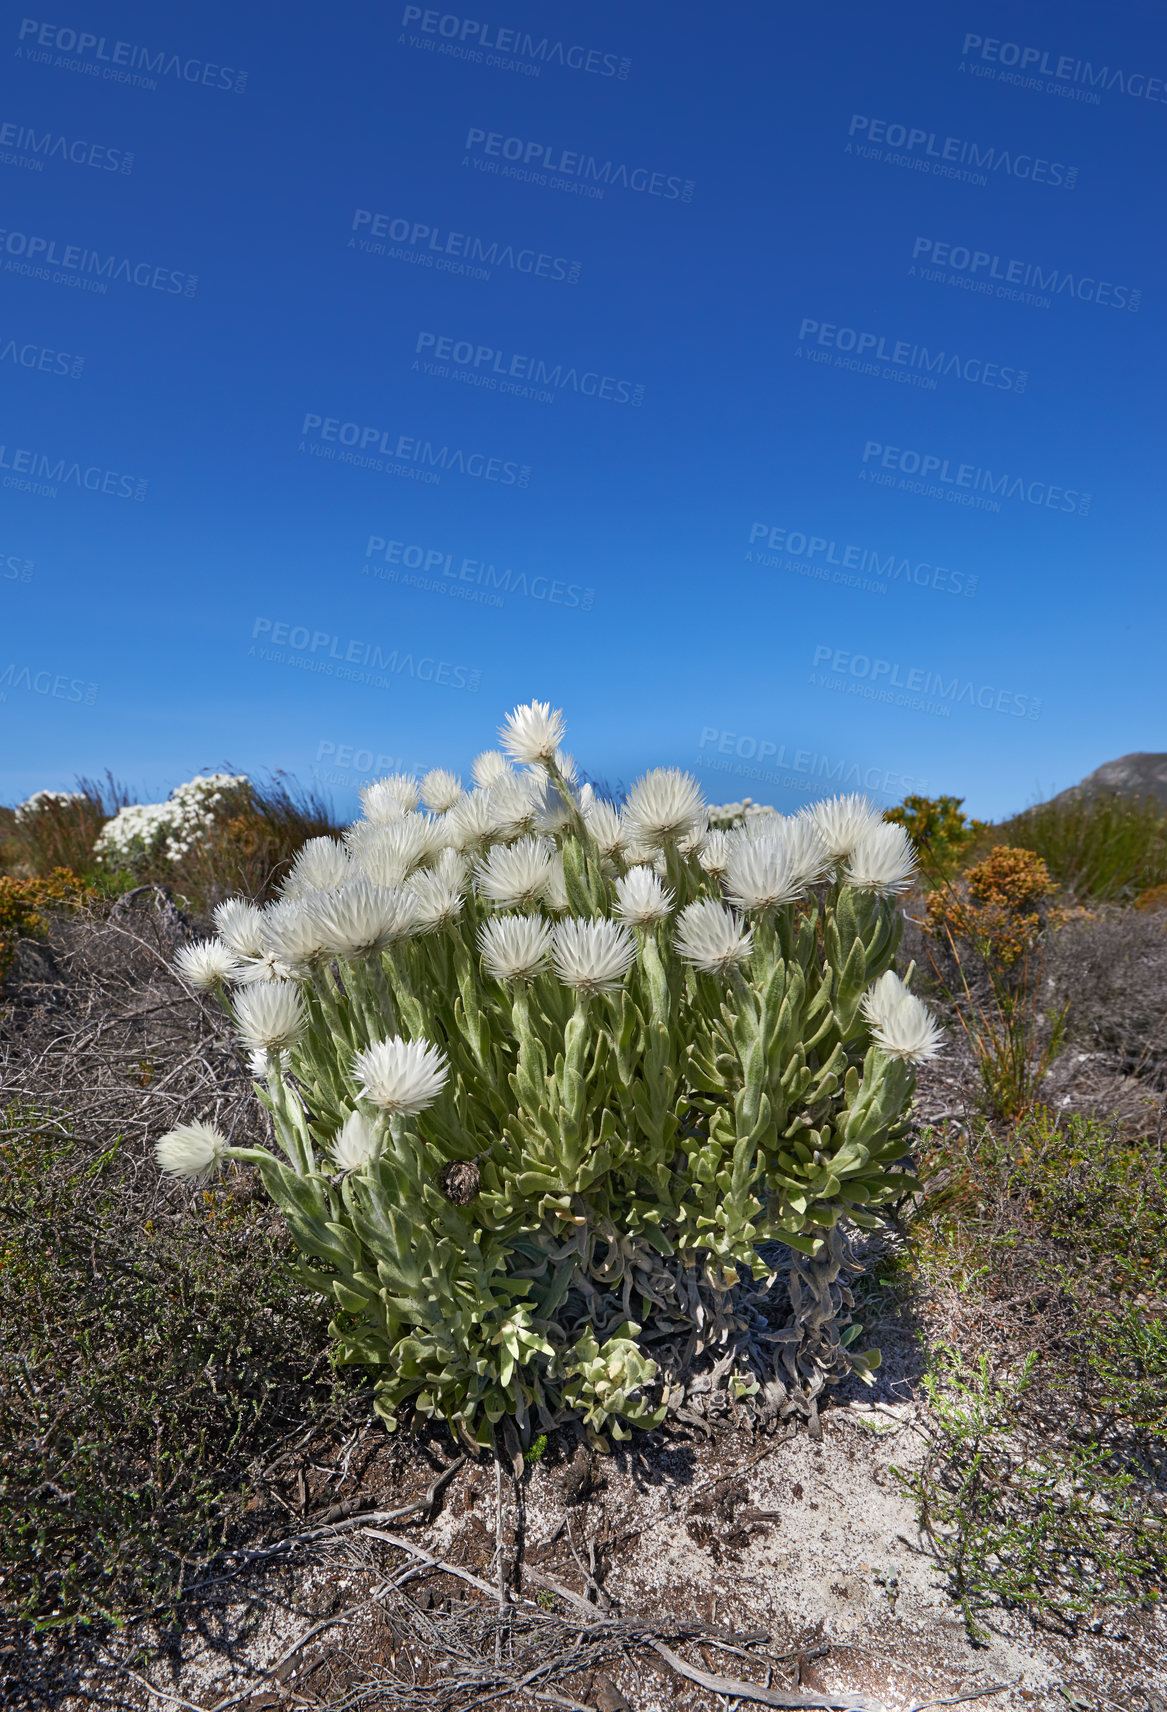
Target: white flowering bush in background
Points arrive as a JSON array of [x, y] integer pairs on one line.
[[574, 1102], [43, 802], [142, 833]]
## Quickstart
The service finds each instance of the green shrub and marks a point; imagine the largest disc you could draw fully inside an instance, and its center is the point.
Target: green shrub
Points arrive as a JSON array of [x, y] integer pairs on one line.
[[941, 833], [517, 1144]]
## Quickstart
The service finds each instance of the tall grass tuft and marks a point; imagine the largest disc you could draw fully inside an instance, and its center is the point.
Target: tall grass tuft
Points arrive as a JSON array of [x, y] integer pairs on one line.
[[1106, 848]]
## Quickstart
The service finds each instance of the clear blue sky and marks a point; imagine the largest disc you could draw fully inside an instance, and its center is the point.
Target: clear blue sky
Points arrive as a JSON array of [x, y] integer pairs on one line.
[[750, 258]]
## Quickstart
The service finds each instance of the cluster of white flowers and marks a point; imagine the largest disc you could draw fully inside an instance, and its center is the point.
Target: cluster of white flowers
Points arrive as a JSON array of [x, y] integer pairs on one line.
[[39, 801], [168, 830], [400, 872]]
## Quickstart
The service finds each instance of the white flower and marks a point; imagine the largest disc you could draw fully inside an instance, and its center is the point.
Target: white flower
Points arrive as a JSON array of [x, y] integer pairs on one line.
[[592, 956], [270, 1015], [884, 860], [513, 798], [321, 865], [606, 827], [354, 1144], [761, 872], [557, 898], [240, 926], [843, 822], [533, 733], [587, 798], [41, 801], [714, 853], [900, 1023], [401, 1076], [665, 804], [516, 875], [553, 813], [641, 897], [262, 1064], [191, 1150], [292, 935], [387, 852], [440, 789], [712, 938], [488, 767], [807, 849], [362, 918], [387, 799], [206, 964], [264, 967], [437, 895], [565, 765], [472, 820], [515, 947]]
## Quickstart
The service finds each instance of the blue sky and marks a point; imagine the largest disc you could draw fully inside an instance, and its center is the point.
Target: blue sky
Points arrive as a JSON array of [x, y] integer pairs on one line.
[[758, 463]]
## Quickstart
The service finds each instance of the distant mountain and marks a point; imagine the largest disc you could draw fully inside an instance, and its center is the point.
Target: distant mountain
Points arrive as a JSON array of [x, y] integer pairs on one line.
[[1131, 776]]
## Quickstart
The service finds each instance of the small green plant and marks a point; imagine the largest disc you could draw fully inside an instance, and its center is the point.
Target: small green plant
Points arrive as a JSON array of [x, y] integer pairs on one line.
[[1054, 1529], [536, 1451]]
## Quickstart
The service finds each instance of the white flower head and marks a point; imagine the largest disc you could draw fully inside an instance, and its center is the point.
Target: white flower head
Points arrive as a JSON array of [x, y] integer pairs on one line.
[[387, 799], [191, 1150], [401, 1076], [557, 898], [515, 947], [883, 860], [387, 852], [714, 853], [553, 812], [843, 822], [805, 845], [606, 827], [270, 1015], [488, 767], [761, 872], [516, 875], [363, 918], [900, 1022], [472, 820], [266, 966], [437, 894], [240, 926], [321, 865], [206, 964], [513, 799], [712, 938], [440, 789], [641, 898], [533, 733], [593, 956], [354, 1143], [262, 1064], [665, 804], [292, 936], [587, 797]]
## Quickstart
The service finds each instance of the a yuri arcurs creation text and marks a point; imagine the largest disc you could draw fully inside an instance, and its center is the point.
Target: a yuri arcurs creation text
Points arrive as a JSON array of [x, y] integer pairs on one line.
[[576, 1103]]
